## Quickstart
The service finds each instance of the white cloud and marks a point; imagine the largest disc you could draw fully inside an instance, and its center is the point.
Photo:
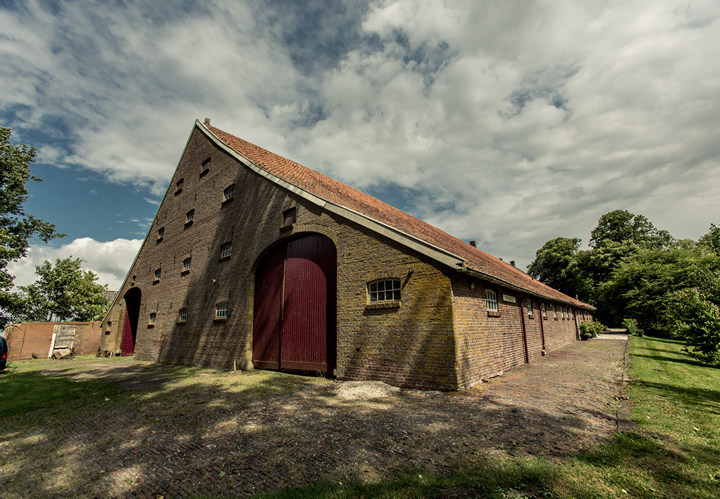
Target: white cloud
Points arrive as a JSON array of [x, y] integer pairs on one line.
[[110, 260], [508, 123]]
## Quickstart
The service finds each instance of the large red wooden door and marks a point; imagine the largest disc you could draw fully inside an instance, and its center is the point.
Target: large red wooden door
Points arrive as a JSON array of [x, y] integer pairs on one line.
[[295, 306]]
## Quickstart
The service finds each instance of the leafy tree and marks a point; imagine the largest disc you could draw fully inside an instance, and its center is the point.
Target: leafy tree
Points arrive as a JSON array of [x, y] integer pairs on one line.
[[555, 264], [64, 292], [621, 226], [16, 226], [696, 319], [642, 287], [711, 240]]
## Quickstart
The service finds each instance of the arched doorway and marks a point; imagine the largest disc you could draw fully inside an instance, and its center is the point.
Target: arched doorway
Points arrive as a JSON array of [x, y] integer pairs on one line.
[[132, 312], [294, 319]]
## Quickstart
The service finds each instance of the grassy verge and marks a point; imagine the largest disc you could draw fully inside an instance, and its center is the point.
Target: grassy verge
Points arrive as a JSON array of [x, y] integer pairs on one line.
[[674, 453]]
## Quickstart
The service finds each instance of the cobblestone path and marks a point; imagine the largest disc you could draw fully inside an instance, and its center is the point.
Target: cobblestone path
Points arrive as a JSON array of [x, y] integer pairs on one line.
[[178, 441]]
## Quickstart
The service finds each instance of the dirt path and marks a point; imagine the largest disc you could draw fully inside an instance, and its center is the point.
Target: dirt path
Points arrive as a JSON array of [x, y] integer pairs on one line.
[[188, 439]]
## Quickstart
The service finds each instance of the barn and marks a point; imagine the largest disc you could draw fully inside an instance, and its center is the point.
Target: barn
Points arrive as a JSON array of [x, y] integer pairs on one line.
[[255, 261]]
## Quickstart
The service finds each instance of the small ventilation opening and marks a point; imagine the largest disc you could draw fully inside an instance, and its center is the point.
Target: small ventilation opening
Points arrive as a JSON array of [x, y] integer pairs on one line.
[[289, 217]]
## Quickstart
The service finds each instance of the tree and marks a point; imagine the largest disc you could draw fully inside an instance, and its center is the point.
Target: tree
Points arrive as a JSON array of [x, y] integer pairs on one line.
[[697, 320], [555, 264], [643, 286], [64, 292], [16, 226], [622, 226], [711, 240]]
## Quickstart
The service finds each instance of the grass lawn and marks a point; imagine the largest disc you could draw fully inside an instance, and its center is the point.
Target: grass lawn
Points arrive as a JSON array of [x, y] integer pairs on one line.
[[674, 453]]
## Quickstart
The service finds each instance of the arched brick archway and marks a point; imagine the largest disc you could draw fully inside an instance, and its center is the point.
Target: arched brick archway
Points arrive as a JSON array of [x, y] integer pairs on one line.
[[294, 321], [132, 313]]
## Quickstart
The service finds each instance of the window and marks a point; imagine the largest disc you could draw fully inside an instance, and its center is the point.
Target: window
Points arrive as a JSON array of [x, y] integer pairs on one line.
[[205, 167], [152, 318], [190, 216], [182, 316], [221, 311], [226, 250], [157, 274], [289, 217], [179, 186], [529, 307], [552, 307], [186, 264], [544, 310], [229, 193], [491, 301], [161, 233], [108, 326], [387, 290]]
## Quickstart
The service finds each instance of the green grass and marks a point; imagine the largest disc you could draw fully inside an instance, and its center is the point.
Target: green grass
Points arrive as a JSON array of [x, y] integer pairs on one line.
[[26, 392], [674, 453]]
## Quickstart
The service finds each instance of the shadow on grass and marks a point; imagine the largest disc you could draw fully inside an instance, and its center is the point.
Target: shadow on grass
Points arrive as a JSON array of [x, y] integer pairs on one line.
[[679, 360]]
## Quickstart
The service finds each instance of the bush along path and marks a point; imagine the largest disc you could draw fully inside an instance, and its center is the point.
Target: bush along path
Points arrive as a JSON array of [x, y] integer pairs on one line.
[[143, 430]]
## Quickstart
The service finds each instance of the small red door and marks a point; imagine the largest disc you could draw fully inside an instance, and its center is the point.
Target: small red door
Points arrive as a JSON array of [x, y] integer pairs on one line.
[[268, 310], [127, 345], [295, 306], [132, 313]]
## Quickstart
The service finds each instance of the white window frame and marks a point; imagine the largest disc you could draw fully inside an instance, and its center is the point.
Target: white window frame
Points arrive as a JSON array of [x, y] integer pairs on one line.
[[491, 302], [554, 311], [529, 307], [221, 311], [182, 315], [153, 318], [229, 193], [187, 264], [544, 309], [391, 291], [226, 250], [190, 216]]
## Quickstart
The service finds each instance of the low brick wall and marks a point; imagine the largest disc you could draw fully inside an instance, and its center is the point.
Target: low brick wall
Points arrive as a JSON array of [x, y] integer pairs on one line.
[[30, 338]]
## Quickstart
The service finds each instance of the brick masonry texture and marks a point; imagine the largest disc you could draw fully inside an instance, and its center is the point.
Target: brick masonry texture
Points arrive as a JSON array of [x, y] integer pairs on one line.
[[438, 336], [30, 338]]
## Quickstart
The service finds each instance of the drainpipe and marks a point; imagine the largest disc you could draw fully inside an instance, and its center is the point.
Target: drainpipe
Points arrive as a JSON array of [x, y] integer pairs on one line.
[[542, 327], [524, 330]]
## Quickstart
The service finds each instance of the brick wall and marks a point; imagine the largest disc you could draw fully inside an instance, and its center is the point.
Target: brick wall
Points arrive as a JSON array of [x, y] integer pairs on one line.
[[30, 338], [489, 344], [439, 336]]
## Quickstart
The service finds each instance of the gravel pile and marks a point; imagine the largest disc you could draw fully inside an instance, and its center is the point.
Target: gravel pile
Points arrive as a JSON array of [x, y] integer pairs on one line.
[[364, 390]]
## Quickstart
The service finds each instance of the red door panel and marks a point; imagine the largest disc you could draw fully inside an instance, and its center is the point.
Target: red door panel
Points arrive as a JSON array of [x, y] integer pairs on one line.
[[267, 319], [127, 345], [303, 333]]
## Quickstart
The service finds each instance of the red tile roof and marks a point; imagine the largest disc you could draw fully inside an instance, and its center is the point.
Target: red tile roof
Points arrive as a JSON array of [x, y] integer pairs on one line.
[[343, 195]]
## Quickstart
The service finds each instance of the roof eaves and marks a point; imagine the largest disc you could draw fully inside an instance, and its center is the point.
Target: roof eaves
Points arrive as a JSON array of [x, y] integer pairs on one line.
[[515, 287]]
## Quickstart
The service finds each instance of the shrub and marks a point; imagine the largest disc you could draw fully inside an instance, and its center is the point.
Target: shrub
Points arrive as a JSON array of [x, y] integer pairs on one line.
[[697, 321], [632, 327]]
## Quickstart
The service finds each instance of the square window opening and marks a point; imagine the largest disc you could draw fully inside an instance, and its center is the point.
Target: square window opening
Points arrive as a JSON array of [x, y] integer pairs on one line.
[[229, 193], [182, 316], [289, 217], [221, 311], [226, 250], [186, 264], [491, 301], [189, 216], [387, 290]]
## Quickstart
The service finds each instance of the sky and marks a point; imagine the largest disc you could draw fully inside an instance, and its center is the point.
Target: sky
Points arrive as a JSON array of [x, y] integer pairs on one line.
[[508, 123]]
